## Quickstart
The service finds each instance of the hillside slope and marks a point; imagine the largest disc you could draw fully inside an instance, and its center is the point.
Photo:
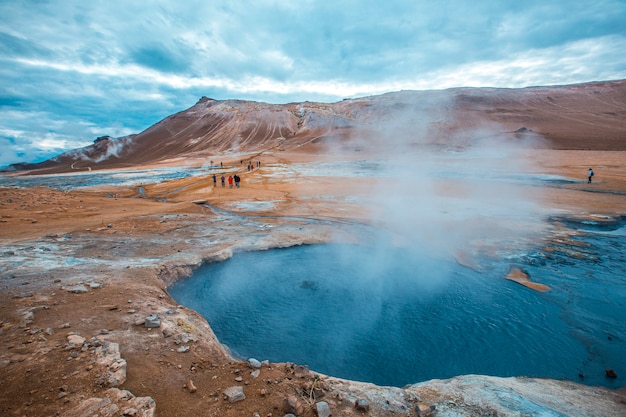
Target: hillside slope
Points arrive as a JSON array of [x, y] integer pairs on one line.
[[584, 116]]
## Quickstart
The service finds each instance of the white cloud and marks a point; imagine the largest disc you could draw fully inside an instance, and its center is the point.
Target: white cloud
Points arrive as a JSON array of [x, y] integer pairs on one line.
[[84, 69]]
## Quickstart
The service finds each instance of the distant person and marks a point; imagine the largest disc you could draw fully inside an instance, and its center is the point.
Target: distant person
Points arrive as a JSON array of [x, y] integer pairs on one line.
[[589, 175], [214, 180], [221, 165], [223, 181], [237, 180], [230, 181]]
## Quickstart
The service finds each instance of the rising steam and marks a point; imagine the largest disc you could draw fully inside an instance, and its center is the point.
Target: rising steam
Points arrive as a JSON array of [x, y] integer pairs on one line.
[[448, 194]]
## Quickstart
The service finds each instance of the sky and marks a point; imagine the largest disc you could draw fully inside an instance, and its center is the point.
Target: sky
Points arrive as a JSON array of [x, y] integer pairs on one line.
[[73, 70]]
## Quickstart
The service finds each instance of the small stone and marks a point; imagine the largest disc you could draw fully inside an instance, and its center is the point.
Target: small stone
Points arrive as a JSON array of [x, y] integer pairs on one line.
[[183, 349], [239, 379], [49, 331], [26, 294], [77, 289], [323, 409], [424, 410], [255, 364], [300, 371], [234, 394], [75, 340], [152, 321], [293, 405], [610, 373], [362, 405], [191, 387], [314, 393], [186, 338], [255, 373], [167, 331]]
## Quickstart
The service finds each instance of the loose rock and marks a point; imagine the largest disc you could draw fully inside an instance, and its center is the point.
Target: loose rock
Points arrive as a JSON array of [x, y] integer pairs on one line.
[[77, 289], [300, 371], [255, 364], [425, 410], [323, 409], [234, 394], [108, 355], [191, 387], [293, 405], [152, 321], [362, 405], [75, 341]]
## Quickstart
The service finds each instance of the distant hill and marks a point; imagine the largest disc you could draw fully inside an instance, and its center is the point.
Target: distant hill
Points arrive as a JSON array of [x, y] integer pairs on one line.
[[581, 116]]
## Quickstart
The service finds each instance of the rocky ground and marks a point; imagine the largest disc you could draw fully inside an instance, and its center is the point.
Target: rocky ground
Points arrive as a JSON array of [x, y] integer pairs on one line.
[[84, 273]]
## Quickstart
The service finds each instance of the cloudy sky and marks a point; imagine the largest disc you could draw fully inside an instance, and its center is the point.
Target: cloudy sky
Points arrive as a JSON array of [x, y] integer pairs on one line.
[[72, 70]]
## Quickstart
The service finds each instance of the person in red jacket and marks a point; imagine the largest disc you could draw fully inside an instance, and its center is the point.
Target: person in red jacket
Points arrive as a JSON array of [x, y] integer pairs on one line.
[[230, 181]]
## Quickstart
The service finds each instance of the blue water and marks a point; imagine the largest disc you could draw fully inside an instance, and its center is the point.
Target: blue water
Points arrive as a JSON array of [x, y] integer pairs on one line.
[[72, 181], [389, 316]]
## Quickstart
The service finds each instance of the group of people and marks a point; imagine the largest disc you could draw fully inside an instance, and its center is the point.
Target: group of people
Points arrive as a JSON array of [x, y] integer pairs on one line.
[[233, 179], [236, 179]]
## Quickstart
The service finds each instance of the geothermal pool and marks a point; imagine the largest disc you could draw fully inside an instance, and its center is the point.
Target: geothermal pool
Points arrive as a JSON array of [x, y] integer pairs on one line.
[[391, 316]]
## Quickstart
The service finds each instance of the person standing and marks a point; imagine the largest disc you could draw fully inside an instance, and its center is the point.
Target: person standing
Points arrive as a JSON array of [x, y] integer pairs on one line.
[[223, 180], [230, 181], [237, 180], [589, 175], [214, 180]]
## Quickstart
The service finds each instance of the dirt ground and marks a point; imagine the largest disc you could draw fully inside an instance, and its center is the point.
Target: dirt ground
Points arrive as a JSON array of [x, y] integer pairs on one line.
[[42, 375]]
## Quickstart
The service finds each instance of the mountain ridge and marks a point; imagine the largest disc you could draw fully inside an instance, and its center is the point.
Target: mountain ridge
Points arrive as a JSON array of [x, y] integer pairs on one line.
[[579, 116]]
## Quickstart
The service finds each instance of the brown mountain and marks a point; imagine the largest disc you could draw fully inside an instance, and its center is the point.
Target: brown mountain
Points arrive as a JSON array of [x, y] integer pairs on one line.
[[582, 116]]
